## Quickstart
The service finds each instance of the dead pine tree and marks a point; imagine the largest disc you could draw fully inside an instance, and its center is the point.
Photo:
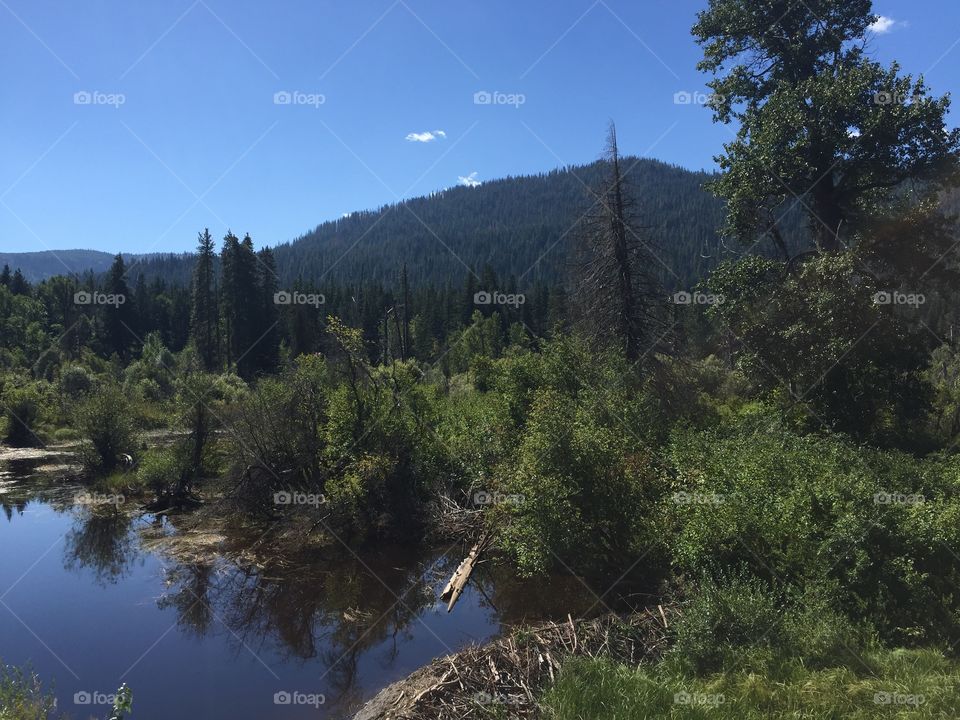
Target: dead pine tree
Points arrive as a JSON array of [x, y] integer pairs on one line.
[[620, 300]]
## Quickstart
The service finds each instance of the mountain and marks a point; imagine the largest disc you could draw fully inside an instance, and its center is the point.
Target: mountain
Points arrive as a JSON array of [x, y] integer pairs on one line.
[[518, 226], [41, 265]]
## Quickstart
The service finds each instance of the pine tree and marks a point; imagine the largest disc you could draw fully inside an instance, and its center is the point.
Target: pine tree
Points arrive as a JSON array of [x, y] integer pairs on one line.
[[19, 284], [405, 309], [267, 331], [864, 148], [142, 307], [240, 299], [204, 312], [117, 315]]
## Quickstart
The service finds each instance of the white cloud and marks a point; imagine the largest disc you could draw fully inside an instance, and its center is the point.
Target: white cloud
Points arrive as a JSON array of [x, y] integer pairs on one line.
[[882, 25], [425, 137], [470, 180]]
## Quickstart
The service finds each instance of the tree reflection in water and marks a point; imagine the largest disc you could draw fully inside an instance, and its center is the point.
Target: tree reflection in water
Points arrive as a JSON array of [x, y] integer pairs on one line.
[[102, 541], [314, 606]]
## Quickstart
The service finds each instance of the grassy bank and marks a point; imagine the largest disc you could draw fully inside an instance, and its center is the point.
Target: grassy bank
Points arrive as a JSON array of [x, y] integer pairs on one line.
[[917, 684]]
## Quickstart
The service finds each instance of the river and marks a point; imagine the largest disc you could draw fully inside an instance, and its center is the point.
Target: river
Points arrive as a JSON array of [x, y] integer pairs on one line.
[[88, 599]]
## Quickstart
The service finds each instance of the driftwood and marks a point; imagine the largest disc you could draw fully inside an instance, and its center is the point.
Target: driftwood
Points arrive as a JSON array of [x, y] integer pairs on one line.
[[461, 576]]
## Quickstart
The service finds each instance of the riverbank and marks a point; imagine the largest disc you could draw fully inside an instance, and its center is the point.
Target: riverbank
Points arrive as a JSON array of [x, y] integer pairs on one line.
[[622, 668], [512, 672]]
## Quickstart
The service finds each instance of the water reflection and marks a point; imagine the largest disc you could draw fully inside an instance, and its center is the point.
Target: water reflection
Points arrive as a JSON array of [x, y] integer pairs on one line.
[[312, 607], [102, 542], [347, 623]]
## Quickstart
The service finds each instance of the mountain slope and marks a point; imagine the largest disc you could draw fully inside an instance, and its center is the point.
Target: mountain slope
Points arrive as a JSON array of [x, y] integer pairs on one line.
[[40, 265], [519, 226]]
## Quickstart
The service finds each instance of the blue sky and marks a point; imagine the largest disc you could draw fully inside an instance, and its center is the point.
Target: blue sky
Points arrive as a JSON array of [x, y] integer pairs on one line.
[[182, 127]]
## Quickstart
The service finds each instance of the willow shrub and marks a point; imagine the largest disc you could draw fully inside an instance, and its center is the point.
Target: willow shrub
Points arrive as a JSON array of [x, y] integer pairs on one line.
[[578, 489], [103, 420], [881, 526]]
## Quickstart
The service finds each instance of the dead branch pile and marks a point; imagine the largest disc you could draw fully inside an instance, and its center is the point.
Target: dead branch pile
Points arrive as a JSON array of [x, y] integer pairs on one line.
[[512, 672], [448, 519]]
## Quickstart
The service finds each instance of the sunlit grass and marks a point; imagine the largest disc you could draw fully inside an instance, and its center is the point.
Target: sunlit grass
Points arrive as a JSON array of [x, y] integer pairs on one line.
[[917, 684]]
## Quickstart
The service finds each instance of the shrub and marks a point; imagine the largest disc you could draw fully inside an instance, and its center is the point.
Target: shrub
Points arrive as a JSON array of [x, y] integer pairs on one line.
[[21, 410], [75, 381], [580, 489], [103, 420], [877, 525], [161, 469], [22, 697], [745, 623]]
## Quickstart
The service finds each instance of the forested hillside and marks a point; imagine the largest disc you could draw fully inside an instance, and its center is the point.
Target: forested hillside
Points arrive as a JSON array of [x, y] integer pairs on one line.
[[519, 226], [47, 263]]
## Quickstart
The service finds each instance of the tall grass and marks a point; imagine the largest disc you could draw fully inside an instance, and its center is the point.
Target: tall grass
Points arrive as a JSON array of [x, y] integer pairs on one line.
[[916, 684]]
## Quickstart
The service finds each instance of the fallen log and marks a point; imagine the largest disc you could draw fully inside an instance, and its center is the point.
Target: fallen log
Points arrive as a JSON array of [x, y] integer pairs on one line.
[[458, 581]]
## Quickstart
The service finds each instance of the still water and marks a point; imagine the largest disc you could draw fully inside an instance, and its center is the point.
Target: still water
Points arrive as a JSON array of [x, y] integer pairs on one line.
[[88, 601]]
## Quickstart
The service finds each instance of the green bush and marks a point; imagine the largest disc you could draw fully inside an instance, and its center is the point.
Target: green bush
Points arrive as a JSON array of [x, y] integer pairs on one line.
[[160, 469], [75, 381], [22, 697], [746, 623], [879, 526], [577, 487], [21, 410], [103, 420]]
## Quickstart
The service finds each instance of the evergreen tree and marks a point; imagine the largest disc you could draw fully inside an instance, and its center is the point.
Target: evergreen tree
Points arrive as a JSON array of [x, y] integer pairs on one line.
[[864, 148], [117, 315], [240, 299], [267, 331], [19, 284], [142, 306], [405, 310], [204, 323]]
